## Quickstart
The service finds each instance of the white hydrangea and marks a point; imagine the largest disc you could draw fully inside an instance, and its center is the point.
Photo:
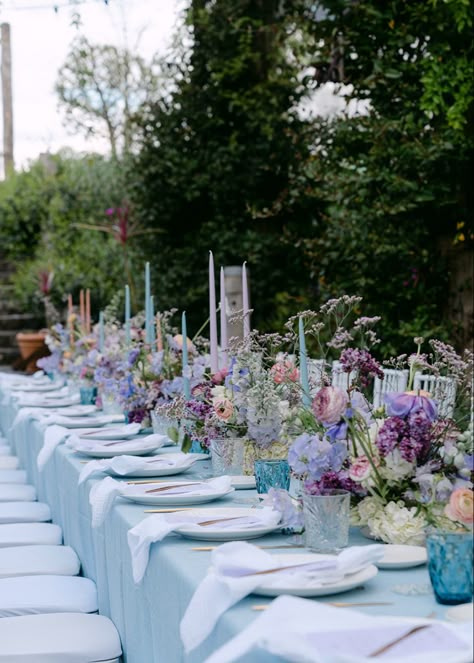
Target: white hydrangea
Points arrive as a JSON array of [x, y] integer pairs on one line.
[[398, 524], [396, 468]]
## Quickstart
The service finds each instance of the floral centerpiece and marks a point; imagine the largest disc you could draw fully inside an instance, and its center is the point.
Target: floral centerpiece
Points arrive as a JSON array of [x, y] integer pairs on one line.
[[405, 466]]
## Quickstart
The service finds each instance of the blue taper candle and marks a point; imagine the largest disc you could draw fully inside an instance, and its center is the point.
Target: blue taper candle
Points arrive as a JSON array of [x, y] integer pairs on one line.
[[303, 365], [127, 314]]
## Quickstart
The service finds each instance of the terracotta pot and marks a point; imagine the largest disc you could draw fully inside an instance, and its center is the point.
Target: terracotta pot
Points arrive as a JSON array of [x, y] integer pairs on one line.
[[32, 347]]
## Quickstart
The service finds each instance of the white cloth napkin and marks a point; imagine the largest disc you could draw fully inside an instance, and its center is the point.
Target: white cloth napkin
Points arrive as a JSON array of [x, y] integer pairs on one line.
[[155, 528], [53, 437], [120, 446], [228, 581], [101, 420], [104, 492], [123, 465], [295, 629], [27, 413]]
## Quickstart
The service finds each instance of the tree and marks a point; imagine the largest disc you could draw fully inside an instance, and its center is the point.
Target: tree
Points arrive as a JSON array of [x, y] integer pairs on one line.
[[101, 89]]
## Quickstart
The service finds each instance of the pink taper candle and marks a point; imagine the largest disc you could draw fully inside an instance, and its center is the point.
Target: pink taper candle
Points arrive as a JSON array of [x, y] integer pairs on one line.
[[213, 316], [245, 300], [88, 311], [82, 308], [223, 314]]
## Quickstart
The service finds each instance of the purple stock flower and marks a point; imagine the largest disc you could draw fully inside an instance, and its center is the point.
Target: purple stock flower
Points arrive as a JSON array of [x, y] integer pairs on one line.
[[410, 435], [402, 404]]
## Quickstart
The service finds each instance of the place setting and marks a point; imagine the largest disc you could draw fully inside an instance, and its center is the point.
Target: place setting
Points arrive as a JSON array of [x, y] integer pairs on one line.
[[113, 445]]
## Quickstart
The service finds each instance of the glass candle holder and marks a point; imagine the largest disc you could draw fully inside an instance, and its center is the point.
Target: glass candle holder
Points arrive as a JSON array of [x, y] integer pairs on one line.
[[271, 474], [450, 560], [227, 456], [88, 395], [326, 520]]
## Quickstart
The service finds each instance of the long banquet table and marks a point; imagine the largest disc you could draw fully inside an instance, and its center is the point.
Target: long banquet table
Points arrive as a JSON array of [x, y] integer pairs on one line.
[[147, 616]]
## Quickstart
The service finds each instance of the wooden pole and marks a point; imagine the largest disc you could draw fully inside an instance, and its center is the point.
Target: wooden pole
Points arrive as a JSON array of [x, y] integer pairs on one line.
[[7, 98]]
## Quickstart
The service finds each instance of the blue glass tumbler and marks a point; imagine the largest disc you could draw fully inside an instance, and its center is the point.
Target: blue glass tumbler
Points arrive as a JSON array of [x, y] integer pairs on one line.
[[88, 395], [271, 474], [450, 559]]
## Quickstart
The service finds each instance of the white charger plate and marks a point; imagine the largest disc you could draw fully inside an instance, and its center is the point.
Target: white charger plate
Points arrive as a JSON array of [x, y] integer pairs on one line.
[[303, 586], [461, 613], [122, 448], [402, 557], [156, 468], [175, 499], [217, 533], [243, 482], [50, 386], [86, 423], [54, 404]]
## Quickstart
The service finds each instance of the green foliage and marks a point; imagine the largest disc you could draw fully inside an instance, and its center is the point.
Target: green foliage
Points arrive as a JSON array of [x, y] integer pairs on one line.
[[39, 211]]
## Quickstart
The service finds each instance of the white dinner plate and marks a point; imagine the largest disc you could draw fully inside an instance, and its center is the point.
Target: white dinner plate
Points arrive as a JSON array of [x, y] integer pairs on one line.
[[115, 432], [53, 403], [174, 499], [461, 613], [88, 424], [218, 533], [78, 411], [303, 586], [402, 557], [121, 448], [156, 467], [243, 482]]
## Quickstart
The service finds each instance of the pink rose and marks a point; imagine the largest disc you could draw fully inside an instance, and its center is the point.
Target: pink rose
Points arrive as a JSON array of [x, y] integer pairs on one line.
[[220, 376], [461, 506], [284, 371], [223, 408], [360, 469], [329, 405]]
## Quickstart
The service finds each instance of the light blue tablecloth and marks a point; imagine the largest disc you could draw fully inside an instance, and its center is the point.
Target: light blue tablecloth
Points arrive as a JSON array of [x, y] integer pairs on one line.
[[148, 615]]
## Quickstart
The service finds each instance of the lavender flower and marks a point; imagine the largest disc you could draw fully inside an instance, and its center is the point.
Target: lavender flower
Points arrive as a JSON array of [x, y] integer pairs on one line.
[[401, 405], [312, 456], [361, 361]]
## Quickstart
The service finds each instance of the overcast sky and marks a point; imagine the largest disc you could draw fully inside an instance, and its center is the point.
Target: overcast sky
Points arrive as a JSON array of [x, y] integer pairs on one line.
[[41, 38]]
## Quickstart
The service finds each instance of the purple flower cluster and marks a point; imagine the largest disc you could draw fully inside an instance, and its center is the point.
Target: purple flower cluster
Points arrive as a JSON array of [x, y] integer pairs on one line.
[[353, 359], [333, 481], [410, 435], [312, 456]]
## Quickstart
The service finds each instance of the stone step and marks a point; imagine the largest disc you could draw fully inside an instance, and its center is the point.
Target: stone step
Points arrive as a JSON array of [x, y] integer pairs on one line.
[[15, 321]]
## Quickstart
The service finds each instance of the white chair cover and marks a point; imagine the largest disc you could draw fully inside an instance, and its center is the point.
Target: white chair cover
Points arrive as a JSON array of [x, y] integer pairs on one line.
[[393, 380], [9, 462], [33, 595], [38, 560], [27, 534], [13, 476], [17, 493], [24, 512], [315, 374], [58, 638], [339, 377], [442, 390]]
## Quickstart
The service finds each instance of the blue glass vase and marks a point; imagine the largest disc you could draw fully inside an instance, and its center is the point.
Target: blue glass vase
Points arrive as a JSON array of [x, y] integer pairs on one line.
[[450, 559], [88, 395], [271, 474]]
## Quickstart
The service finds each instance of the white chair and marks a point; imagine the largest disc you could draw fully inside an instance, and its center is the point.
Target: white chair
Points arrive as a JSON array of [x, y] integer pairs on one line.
[[59, 638], [442, 390], [28, 534], [13, 476], [9, 462], [5, 450], [393, 380], [17, 493], [33, 595], [38, 560], [315, 375], [339, 377], [24, 512]]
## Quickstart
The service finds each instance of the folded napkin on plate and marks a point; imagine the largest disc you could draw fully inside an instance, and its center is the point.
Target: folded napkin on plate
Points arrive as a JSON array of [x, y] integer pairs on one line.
[[86, 445], [155, 528], [299, 630], [123, 465], [228, 581], [95, 420], [104, 492], [53, 436]]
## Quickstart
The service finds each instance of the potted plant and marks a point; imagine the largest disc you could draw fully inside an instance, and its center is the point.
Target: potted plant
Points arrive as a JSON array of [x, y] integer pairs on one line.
[[32, 344]]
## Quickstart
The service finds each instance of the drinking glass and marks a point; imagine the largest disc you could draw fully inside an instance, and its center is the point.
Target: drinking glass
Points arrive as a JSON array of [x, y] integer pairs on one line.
[[450, 559], [88, 395], [227, 456], [271, 474], [326, 520]]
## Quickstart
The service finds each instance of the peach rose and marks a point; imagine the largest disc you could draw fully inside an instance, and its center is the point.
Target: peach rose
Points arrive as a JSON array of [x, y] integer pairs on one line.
[[461, 506], [223, 408], [329, 405], [284, 371], [178, 339]]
